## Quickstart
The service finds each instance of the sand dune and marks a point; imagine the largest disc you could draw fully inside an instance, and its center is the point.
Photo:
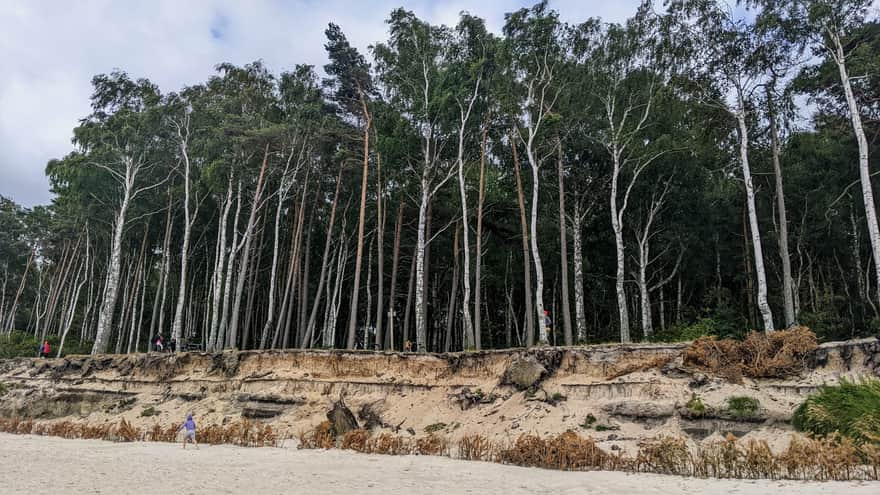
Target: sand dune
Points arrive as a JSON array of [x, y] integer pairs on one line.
[[44, 465]]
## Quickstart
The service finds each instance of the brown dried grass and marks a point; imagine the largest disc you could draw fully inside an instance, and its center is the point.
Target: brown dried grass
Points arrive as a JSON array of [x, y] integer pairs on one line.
[[567, 451], [432, 444], [776, 355], [474, 448], [321, 437], [657, 362], [357, 440], [127, 433]]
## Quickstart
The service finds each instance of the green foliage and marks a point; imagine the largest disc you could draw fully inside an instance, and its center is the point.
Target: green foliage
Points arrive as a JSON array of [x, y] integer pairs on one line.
[[435, 427], [589, 421], [3, 389], [149, 411], [21, 344], [851, 408], [743, 407], [696, 406]]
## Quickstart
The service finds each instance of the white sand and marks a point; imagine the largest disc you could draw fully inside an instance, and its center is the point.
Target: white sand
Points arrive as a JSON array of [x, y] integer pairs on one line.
[[37, 465]]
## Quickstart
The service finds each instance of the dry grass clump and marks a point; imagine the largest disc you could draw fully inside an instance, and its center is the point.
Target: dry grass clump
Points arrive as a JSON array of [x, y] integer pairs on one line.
[[432, 444], [657, 362], [567, 451], [474, 448], [386, 443], [127, 433], [759, 355], [665, 455], [357, 440], [830, 458], [16, 426], [321, 437]]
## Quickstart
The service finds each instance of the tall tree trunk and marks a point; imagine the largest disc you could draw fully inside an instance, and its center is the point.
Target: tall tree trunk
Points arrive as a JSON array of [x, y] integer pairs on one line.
[[563, 243], [785, 257], [230, 266], [111, 290], [392, 295], [527, 268], [380, 252], [324, 263], [232, 336], [577, 240], [188, 220], [217, 279], [536, 255], [620, 275], [359, 257], [453, 295], [478, 254], [405, 333], [760, 274], [864, 165], [270, 312]]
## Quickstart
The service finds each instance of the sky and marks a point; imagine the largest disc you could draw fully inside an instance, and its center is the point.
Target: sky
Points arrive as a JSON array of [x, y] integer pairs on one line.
[[49, 51]]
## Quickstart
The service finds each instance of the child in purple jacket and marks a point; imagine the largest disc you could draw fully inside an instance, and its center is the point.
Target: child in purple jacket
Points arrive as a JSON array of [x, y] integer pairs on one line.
[[190, 426]]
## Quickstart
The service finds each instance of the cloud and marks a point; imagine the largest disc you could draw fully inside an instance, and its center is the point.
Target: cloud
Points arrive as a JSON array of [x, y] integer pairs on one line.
[[51, 50]]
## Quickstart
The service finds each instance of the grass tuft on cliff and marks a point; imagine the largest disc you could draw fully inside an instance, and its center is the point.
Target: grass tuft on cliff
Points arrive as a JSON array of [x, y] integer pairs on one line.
[[851, 408]]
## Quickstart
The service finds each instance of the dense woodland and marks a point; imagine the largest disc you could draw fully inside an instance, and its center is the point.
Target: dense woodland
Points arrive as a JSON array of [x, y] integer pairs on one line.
[[700, 169]]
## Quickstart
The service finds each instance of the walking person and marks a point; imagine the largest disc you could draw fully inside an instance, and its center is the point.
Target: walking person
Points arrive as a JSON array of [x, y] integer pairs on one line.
[[190, 434]]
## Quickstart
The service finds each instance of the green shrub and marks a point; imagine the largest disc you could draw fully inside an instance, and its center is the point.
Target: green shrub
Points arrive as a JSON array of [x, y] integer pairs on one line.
[[555, 398], [435, 427], [3, 389], [150, 411], [743, 407], [589, 421], [696, 406], [851, 408]]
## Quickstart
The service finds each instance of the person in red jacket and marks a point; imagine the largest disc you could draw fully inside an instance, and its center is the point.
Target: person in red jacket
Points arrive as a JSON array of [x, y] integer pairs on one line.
[[44, 349]]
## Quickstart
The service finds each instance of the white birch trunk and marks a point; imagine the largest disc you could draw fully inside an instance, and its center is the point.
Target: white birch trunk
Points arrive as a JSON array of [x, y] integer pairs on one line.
[[864, 168], [763, 306], [188, 220]]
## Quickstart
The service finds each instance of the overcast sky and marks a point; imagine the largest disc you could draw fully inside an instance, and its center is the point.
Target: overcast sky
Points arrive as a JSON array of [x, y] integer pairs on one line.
[[49, 51]]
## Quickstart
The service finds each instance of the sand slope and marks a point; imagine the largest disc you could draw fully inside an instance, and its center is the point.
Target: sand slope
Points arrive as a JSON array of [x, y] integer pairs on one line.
[[44, 465]]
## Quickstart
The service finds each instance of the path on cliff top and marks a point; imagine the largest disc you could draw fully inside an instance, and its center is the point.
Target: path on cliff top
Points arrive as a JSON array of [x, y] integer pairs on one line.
[[45, 465]]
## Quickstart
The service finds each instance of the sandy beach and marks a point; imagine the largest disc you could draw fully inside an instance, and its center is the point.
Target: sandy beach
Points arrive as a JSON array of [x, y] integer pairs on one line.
[[45, 465]]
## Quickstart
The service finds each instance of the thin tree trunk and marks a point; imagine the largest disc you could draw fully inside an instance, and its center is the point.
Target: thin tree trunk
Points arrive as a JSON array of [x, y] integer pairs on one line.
[[527, 268], [563, 243], [230, 266], [188, 221], [380, 252], [217, 279], [359, 257], [864, 165], [324, 263], [392, 296], [232, 337], [760, 273], [787, 283], [536, 255], [450, 312], [478, 255], [577, 240]]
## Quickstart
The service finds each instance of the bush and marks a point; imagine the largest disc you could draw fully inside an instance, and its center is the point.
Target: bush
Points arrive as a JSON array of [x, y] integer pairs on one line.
[[743, 407], [696, 406], [149, 411], [850, 408]]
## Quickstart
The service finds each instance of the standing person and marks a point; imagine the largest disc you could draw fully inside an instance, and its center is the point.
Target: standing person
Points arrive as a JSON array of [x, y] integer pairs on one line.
[[172, 346], [548, 322], [190, 426], [44, 349], [160, 343]]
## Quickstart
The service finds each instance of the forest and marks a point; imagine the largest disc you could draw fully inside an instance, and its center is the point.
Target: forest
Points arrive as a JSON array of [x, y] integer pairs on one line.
[[701, 169]]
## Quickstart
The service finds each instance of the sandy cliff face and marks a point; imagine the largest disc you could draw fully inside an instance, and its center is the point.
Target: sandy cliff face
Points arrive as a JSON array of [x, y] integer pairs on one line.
[[618, 394]]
